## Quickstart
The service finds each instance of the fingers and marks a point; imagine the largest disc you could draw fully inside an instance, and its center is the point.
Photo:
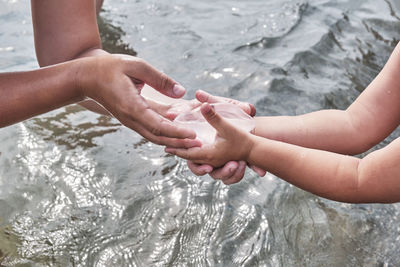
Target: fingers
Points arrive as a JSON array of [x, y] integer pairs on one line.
[[181, 107], [140, 70], [161, 140], [203, 97], [252, 111], [226, 171], [199, 169], [160, 126], [215, 120], [158, 107], [238, 175], [194, 153], [258, 170]]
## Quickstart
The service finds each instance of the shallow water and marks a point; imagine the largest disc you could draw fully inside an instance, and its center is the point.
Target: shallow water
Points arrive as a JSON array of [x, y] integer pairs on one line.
[[78, 189]]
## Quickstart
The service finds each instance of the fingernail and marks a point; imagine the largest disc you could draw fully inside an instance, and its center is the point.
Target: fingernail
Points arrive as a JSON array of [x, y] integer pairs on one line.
[[178, 90], [207, 108], [252, 110]]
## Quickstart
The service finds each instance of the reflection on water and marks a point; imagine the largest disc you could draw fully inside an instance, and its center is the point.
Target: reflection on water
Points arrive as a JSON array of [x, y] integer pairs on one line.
[[72, 128], [78, 189], [111, 38]]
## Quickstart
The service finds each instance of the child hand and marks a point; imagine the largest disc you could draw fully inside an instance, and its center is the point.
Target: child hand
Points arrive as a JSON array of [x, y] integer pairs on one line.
[[231, 144], [233, 171]]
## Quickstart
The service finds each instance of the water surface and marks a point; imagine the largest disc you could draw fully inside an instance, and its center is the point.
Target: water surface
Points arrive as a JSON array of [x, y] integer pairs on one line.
[[79, 189]]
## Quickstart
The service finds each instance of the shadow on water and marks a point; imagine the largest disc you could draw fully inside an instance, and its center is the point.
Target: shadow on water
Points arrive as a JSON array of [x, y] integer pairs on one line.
[[9, 243], [111, 38], [84, 191], [70, 133]]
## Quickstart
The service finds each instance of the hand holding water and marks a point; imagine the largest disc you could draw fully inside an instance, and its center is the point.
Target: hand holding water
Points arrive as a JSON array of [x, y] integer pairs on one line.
[[232, 143], [115, 81], [232, 171]]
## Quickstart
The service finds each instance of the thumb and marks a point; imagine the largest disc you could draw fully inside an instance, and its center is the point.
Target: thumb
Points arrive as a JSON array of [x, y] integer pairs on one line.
[[215, 120], [141, 70]]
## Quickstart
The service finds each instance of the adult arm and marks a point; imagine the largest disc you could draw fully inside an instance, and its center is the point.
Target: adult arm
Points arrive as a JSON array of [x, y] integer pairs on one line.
[[107, 80], [26, 94], [66, 30]]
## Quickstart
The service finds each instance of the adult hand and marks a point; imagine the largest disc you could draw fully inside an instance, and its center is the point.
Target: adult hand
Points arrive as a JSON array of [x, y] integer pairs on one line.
[[232, 170], [115, 82]]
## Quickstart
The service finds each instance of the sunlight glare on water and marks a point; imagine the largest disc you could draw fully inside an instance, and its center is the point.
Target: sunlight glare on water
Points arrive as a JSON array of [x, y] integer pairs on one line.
[[79, 189]]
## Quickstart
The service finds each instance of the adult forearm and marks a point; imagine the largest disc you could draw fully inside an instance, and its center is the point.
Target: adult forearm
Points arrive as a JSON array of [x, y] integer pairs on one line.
[[373, 179], [64, 29], [26, 94]]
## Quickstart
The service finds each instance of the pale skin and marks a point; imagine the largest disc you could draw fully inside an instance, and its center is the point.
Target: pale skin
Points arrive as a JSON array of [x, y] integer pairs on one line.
[[311, 150]]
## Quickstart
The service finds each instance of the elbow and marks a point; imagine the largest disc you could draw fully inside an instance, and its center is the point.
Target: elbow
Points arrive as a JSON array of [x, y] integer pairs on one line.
[[63, 54], [361, 145], [44, 61], [363, 137]]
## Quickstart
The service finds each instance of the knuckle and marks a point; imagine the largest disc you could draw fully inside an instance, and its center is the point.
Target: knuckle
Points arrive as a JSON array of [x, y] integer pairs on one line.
[[164, 81], [157, 141], [125, 111], [141, 61], [213, 116], [155, 131], [209, 158]]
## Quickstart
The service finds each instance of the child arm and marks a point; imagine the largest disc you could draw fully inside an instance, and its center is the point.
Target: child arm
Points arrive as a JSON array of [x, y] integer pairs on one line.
[[375, 178], [365, 123], [327, 174]]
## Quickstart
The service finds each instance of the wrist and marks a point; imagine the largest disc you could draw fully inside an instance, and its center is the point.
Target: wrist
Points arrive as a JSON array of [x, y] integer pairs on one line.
[[83, 68], [84, 76], [77, 75], [250, 145]]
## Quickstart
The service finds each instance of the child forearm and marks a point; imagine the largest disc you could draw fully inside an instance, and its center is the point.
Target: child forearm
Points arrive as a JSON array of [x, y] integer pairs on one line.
[[330, 175], [366, 122], [330, 130], [326, 174]]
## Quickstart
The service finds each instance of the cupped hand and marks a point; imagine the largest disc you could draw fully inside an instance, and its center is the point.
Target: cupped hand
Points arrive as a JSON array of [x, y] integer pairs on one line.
[[232, 170], [232, 143], [115, 82]]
